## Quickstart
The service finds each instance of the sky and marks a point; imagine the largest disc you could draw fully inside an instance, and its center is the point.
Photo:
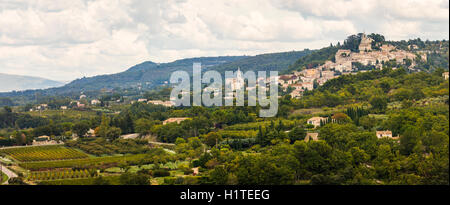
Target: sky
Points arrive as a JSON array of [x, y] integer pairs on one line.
[[68, 39]]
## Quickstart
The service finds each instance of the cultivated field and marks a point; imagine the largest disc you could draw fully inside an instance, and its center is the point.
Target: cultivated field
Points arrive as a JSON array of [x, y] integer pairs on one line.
[[85, 162], [43, 153], [62, 174]]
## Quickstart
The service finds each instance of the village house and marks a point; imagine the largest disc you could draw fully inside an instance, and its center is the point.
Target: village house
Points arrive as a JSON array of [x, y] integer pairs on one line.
[[297, 93], [382, 134], [311, 73], [308, 85], [63, 107], [316, 121], [314, 136], [445, 75], [160, 102], [142, 100], [43, 140], [95, 102], [307, 79], [327, 74], [42, 107], [284, 86], [344, 66], [287, 79], [80, 105], [90, 133], [297, 86], [178, 120]]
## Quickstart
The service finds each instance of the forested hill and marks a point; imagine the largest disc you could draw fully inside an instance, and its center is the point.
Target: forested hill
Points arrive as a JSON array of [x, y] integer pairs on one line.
[[146, 74], [19, 82], [150, 74]]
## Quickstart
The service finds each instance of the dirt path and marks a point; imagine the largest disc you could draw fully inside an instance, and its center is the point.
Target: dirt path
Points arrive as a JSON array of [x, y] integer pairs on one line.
[[8, 173]]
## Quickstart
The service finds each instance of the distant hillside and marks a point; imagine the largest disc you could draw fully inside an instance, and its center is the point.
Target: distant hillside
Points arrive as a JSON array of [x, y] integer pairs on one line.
[[146, 74], [17, 82], [150, 74]]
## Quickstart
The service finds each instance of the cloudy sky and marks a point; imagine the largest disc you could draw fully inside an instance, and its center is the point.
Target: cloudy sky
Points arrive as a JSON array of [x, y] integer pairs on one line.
[[67, 39]]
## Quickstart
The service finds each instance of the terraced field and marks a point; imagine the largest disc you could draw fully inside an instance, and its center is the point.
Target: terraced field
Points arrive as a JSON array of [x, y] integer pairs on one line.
[[62, 174], [86, 162], [43, 153]]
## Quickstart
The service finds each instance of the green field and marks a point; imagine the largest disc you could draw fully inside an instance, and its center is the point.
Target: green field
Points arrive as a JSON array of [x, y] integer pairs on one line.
[[256, 125], [43, 153], [3, 177], [62, 174]]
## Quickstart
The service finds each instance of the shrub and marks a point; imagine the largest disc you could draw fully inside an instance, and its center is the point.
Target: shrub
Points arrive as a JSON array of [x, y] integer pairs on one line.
[[160, 173], [169, 180]]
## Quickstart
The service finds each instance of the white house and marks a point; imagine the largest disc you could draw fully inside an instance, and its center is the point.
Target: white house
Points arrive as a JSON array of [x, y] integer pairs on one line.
[[95, 102], [316, 121]]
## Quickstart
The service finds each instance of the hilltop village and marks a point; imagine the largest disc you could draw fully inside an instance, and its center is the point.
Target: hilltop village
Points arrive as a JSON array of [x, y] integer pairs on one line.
[[346, 62]]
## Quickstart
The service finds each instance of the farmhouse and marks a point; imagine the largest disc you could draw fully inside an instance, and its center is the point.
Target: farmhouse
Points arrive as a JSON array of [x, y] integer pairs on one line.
[[175, 119], [327, 74], [160, 102], [43, 140], [297, 93], [90, 133], [95, 102], [381, 134], [316, 121], [445, 75]]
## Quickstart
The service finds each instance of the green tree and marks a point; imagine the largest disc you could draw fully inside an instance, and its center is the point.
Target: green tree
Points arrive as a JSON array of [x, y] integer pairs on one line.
[[379, 103], [298, 133], [143, 126], [212, 138], [133, 179], [219, 175], [80, 128]]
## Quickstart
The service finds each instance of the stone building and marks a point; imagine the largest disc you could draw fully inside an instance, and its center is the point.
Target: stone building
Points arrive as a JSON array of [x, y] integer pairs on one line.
[[366, 43]]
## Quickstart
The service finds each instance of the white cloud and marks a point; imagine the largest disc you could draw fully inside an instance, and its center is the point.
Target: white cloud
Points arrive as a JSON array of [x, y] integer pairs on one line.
[[68, 39]]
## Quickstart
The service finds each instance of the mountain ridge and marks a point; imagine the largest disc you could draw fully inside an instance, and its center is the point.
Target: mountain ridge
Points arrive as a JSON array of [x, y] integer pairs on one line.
[[149, 74]]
